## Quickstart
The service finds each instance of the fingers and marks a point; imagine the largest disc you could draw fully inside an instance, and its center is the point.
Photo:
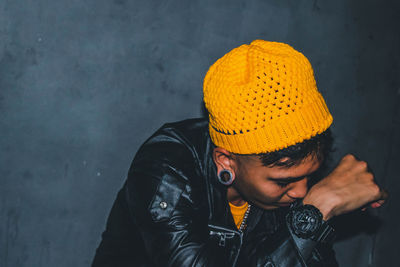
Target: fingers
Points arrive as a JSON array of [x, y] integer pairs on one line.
[[383, 195], [374, 205], [367, 173], [377, 204]]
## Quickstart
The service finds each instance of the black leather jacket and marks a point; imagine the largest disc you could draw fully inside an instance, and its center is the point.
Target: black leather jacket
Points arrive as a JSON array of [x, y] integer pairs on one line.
[[173, 212]]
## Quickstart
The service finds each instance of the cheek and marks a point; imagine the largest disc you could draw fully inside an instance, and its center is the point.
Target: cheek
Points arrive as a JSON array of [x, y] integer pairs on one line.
[[265, 192], [271, 192]]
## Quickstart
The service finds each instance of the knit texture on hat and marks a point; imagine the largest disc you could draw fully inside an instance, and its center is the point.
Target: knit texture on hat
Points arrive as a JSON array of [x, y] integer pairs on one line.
[[263, 97]]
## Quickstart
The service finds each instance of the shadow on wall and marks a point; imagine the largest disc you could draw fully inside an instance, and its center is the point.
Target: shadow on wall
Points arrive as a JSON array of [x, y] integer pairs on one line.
[[355, 223], [204, 112]]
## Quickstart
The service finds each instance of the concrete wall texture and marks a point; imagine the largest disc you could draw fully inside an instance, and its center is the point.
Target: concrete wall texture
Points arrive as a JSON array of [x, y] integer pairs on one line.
[[84, 83]]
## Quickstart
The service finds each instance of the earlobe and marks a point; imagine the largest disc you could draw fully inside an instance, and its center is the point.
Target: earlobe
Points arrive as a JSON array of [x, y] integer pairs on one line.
[[225, 177]]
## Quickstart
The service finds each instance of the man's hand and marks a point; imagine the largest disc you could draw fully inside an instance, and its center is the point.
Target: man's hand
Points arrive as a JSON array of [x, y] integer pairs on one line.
[[350, 186]]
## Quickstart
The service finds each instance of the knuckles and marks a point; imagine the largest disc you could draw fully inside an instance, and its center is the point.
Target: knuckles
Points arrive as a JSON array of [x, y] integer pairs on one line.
[[363, 165], [375, 190], [369, 176], [349, 157], [352, 162]]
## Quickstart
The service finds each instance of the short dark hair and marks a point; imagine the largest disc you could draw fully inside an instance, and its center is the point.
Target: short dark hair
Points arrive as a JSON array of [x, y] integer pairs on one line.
[[318, 146]]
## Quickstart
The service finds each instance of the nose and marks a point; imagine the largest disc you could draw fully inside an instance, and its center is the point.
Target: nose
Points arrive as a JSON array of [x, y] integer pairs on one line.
[[298, 189]]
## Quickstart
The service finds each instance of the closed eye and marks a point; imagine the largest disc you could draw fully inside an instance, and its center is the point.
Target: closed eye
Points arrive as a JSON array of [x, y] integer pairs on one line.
[[282, 184]]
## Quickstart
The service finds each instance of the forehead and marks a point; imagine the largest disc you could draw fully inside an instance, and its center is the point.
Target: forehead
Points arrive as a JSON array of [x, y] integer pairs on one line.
[[253, 164]]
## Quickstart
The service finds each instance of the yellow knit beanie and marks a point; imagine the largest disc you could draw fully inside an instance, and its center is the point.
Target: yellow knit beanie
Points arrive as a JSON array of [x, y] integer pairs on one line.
[[263, 97]]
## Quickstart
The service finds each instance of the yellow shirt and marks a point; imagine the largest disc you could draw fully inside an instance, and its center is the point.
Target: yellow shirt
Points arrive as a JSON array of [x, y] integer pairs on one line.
[[238, 213]]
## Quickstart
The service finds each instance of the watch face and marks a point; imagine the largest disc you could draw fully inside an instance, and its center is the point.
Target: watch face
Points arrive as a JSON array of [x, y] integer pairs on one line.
[[305, 221]]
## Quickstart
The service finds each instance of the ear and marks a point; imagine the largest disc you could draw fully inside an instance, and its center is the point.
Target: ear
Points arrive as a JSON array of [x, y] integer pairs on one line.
[[224, 160]]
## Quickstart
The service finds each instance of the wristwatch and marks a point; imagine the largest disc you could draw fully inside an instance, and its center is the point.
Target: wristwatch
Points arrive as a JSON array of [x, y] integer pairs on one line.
[[306, 221]]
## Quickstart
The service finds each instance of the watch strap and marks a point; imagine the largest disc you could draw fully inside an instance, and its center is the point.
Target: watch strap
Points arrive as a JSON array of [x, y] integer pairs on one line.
[[325, 234]]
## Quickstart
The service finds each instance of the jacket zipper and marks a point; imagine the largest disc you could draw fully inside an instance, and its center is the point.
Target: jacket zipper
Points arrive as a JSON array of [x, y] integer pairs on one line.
[[227, 233], [222, 237]]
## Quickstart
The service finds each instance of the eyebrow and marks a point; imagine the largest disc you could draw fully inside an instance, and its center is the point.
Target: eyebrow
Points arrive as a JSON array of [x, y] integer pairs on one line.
[[291, 179]]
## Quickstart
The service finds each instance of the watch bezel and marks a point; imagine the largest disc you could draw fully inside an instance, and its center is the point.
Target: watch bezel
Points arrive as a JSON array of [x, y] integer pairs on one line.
[[310, 226]]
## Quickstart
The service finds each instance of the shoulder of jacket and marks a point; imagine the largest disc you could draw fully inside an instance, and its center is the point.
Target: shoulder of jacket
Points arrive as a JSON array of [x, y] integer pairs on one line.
[[184, 143], [188, 130], [167, 166]]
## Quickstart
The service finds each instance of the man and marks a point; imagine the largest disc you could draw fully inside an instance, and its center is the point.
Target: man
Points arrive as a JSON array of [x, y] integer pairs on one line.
[[234, 190]]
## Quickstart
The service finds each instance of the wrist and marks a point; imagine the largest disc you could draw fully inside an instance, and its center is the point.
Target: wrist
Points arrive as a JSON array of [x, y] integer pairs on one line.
[[325, 207]]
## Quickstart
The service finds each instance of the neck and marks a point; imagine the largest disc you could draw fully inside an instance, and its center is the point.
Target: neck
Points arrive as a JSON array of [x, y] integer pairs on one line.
[[234, 197]]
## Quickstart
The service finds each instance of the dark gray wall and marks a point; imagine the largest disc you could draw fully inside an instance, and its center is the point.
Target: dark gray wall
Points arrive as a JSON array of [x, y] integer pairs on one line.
[[84, 83]]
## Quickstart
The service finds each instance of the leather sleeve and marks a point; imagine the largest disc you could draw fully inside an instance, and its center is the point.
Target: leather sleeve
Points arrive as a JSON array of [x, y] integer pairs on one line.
[[279, 247], [324, 256], [284, 252]]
